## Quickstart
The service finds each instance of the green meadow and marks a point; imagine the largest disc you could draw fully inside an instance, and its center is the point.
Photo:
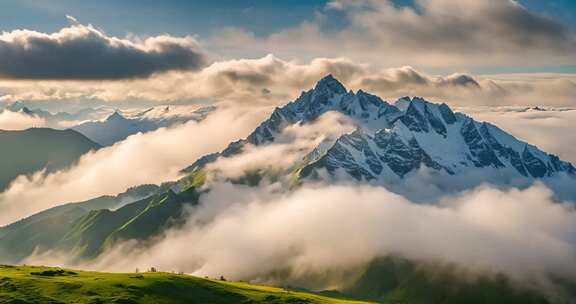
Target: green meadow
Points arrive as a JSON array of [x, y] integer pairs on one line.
[[35, 284]]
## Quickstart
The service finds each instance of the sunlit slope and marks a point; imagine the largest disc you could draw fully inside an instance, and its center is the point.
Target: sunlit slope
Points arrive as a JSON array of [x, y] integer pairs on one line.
[[29, 284]]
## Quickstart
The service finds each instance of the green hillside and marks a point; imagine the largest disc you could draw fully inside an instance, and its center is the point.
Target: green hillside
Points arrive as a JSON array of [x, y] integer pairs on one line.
[[29, 284], [396, 280], [45, 230], [28, 151], [140, 220]]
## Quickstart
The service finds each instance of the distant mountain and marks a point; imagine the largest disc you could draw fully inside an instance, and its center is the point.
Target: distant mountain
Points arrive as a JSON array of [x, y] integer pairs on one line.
[[106, 126], [28, 151], [61, 120], [117, 126]]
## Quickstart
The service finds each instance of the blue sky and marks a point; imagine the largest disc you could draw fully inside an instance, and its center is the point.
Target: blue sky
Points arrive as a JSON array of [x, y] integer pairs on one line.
[[177, 17], [180, 17]]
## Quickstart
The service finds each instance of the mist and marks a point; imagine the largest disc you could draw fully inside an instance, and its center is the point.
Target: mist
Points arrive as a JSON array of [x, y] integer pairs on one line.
[[318, 235], [149, 158], [13, 121], [288, 149], [322, 236]]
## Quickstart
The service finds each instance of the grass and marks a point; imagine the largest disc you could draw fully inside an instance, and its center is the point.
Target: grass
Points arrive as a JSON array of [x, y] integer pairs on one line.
[[36, 284]]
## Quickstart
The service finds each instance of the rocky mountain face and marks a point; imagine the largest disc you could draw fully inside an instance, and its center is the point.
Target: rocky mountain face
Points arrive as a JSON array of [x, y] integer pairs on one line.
[[395, 140]]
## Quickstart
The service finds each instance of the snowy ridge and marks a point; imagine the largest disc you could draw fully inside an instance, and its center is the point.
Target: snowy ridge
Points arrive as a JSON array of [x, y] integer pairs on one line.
[[119, 126], [394, 140]]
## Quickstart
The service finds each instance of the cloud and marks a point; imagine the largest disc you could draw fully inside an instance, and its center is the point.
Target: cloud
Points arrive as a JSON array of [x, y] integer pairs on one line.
[[19, 121], [432, 33], [273, 81], [150, 158], [289, 148], [83, 52], [320, 236]]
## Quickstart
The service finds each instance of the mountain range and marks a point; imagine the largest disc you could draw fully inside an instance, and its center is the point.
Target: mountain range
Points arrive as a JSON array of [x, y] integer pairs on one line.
[[119, 126], [395, 142], [107, 126], [56, 147], [392, 143]]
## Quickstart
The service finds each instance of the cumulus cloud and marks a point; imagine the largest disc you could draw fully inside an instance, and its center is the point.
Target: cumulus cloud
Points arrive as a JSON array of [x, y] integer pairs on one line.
[[150, 158], [10, 120], [432, 33], [273, 81], [84, 52]]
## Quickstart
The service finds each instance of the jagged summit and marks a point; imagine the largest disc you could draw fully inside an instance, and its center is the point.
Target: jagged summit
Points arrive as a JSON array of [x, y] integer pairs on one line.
[[116, 116], [329, 85], [395, 140]]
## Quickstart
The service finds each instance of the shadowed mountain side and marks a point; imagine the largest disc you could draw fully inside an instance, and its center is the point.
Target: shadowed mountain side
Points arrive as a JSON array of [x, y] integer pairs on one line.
[[28, 151]]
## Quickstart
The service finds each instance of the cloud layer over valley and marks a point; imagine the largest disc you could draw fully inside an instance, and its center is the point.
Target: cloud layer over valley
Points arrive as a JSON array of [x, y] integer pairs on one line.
[[154, 157], [330, 182], [267, 235]]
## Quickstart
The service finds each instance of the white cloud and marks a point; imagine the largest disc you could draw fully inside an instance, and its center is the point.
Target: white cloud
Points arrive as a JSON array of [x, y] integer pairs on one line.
[[437, 33], [328, 232], [288, 149], [19, 121], [273, 81], [149, 158]]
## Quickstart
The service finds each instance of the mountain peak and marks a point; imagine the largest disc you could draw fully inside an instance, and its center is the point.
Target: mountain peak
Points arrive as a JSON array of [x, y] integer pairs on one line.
[[115, 116], [330, 84], [391, 141]]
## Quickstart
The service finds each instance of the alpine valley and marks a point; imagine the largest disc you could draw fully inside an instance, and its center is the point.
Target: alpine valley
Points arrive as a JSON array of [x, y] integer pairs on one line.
[[328, 135]]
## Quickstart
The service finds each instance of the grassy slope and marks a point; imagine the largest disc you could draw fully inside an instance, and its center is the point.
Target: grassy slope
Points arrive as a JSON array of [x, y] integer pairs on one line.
[[44, 230], [140, 220], [19, 285]]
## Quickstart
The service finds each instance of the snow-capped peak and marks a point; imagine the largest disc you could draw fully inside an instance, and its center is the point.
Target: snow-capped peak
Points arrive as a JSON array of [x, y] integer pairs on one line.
[[330, 85], [397, 140]]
